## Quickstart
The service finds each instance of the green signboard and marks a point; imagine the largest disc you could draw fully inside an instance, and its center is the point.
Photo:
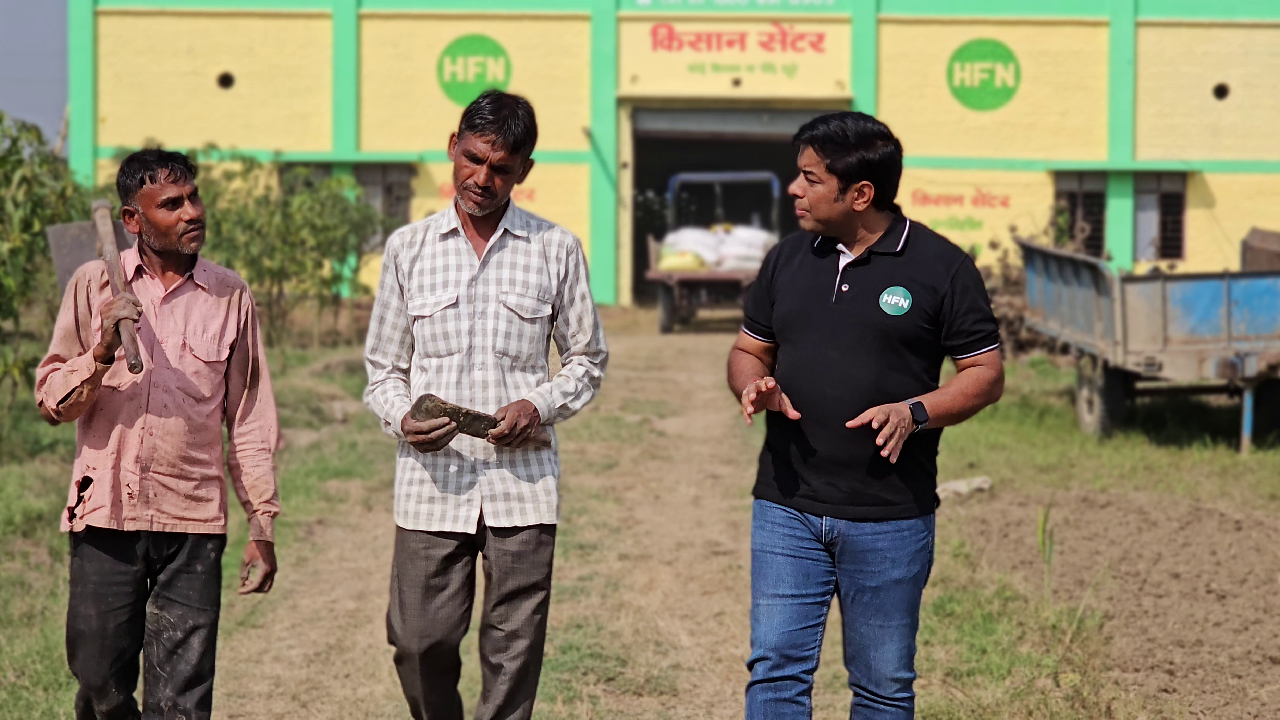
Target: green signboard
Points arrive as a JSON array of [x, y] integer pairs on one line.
[[470, 65], [983, 74]]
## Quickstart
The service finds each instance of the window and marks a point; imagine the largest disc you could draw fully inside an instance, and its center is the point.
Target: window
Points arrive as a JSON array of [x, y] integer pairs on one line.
[[1159, 203], [389, 189], [1081, 201]]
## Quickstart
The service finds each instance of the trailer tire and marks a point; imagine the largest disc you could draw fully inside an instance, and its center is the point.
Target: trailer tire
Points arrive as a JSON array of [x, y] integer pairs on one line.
[[666, 308], [1102, 395]]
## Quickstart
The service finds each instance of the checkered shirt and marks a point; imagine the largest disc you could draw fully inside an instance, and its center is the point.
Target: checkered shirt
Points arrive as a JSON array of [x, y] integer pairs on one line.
[[476, 332]]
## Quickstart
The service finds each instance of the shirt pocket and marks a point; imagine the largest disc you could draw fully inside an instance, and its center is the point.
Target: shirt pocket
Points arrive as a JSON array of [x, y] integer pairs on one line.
[[203, 361], [437, 330], [523, 327]]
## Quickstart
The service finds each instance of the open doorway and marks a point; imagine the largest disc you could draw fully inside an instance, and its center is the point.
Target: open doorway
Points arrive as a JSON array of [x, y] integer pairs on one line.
[[667, 142]]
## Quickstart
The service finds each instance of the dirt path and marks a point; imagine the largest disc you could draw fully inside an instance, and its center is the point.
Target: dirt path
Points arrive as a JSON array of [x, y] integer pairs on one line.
[[316, 646], [649, 614]]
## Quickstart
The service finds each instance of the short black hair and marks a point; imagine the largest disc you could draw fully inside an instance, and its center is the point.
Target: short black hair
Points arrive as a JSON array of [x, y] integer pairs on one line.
[[505, 117], [857, 147], [151, 166]]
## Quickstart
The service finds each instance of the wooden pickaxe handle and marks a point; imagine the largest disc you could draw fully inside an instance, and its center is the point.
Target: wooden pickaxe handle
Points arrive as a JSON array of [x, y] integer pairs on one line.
[[115, 274]]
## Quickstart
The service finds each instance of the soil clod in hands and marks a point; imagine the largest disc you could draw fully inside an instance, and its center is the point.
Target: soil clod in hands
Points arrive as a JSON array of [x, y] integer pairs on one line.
[[470, 422]]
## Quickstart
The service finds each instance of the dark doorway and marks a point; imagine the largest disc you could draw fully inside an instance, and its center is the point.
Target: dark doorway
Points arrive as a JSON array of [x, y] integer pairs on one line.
[[669, 142]]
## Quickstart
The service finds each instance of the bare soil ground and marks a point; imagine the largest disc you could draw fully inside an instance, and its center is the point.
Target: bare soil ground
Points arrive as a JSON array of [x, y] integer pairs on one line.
[[649, 614], [1190, 595]]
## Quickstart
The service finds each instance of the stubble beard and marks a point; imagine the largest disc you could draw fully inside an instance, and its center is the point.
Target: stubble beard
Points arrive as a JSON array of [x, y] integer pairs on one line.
[[469, 209], [146, 237]]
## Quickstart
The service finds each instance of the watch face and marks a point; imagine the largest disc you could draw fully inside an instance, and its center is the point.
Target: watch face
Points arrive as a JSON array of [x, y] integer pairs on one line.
[[918, 414]]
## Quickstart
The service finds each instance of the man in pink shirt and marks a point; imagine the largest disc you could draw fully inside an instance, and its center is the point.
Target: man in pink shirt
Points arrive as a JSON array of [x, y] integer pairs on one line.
[[147, 509]]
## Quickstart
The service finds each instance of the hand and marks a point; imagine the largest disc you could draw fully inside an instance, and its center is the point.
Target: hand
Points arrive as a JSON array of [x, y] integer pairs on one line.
[[764, 394], [428, 436], [258, 569], [121, 307], [518, 423], [894, 423]]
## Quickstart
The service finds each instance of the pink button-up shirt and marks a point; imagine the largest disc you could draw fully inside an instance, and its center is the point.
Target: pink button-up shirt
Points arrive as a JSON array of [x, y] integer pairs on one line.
[[149, 450]]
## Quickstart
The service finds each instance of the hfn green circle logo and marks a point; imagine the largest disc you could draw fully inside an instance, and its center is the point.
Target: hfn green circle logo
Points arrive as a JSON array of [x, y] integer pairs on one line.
[[470, 65], [983, 74], [895, 300]]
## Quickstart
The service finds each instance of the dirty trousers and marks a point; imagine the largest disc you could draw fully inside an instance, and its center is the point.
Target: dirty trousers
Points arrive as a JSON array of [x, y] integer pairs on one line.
[[433, 581], [154, 592]]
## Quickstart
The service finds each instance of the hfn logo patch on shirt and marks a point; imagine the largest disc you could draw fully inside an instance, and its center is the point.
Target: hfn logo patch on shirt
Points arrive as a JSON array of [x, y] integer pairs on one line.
[[895, 300]]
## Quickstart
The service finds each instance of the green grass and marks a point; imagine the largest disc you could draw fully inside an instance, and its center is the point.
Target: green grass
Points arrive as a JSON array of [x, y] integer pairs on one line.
[[1186, 447], [989, 651], [35, 469], [35, 464]]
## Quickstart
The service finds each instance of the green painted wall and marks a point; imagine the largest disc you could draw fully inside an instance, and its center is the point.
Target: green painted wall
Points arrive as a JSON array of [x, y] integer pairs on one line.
[[604, 148], [866, 44], [1121, 111], [346, 76], [81, 96], [1118, 228]]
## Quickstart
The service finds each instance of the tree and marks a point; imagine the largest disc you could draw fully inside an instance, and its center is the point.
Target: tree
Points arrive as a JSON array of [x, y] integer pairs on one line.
[[36, 190], [290, 231]]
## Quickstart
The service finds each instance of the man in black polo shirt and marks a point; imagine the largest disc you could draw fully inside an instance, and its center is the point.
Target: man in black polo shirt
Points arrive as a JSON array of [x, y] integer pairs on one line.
[[845, 332]]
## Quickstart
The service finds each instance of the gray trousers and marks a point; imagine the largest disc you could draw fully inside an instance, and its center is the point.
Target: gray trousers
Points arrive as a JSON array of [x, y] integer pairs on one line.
[[433, 582]]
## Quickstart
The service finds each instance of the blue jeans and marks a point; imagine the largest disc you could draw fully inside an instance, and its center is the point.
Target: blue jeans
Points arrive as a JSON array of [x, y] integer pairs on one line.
[[877, 569]]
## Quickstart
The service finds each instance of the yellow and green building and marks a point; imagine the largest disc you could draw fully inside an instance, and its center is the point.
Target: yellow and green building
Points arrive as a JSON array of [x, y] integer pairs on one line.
[[1155, 120]]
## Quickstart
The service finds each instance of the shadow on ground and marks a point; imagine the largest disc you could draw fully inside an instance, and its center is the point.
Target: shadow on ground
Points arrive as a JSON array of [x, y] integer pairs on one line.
[[1181, 421]]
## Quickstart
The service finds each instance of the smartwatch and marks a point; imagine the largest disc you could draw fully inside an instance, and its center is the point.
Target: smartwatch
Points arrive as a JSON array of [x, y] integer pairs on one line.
[[919, 415]]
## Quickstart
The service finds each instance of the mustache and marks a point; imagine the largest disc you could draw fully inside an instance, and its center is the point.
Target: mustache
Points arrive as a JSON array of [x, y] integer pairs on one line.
[[191, 226], [472, 187]]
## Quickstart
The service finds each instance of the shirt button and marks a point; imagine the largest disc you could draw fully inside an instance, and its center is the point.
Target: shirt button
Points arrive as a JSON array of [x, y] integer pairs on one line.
[[844, 288], [479, 366]]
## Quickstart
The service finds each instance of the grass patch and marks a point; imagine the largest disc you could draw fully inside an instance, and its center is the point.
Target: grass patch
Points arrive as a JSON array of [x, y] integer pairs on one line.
[[1030, 440], [35, 470], [598, 427], [35, 464], [990, 651]]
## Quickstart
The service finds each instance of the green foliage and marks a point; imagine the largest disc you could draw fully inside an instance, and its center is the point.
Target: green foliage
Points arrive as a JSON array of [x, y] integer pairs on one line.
[[291, 232], [1044, 541], [36, 190]]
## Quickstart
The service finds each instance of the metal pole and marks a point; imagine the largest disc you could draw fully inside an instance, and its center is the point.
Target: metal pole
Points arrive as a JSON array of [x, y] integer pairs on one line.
[[1246, 420]]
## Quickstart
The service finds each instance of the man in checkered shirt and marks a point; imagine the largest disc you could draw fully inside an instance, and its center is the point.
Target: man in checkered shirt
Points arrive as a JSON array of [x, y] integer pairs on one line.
[[468, 301]]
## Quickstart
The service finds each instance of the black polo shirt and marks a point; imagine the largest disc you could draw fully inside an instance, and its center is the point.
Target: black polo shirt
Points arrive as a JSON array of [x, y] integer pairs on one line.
[[872, 333]]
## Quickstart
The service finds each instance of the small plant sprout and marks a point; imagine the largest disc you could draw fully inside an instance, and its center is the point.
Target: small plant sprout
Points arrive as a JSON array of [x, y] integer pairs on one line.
[[1044, 539]]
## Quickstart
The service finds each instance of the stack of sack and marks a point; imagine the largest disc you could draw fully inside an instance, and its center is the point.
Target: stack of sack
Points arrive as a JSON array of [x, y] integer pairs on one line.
[[744, 248], [721, 247]]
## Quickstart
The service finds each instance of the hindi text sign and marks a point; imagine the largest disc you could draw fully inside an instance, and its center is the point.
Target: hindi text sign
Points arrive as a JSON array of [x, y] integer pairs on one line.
[[741, 57]]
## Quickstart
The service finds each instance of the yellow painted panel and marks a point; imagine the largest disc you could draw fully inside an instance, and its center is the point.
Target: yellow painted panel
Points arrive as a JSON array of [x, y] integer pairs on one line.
[[1221, 208], [403, 107], [557, 192], [104, 173], [158, 80], [742, 57], [1177, 115], [1059, 110], [981, 208]]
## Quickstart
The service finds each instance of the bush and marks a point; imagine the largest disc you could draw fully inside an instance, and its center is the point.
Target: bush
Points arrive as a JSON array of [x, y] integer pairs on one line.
[[294, 234], [36, 190]]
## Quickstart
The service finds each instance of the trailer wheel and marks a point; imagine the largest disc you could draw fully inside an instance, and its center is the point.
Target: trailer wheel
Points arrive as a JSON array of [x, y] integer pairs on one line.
[[666, 308], [1102, 394]]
